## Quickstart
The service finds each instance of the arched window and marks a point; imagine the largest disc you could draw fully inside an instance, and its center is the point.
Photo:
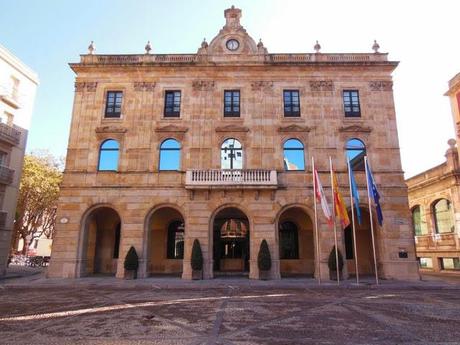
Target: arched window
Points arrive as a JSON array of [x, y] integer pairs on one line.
[[170, 155], [289, 241], [108, 155], [443, 216], [356, 150], [231, 155], [175, 245], [294, 158], [418, 221]]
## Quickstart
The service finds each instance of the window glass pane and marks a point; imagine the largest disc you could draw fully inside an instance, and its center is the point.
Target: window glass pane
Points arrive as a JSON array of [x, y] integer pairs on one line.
[[450, 263], [108, 160], [356, 150], [110, 144], [231, 154], [426, 262], [294, 155], [170, 155], [443, 216]]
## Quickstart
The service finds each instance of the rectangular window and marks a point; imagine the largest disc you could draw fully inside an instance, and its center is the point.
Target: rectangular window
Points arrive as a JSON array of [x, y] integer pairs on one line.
[[232, 103], [172, 104], [426, 262], [113, 104], [351, 105], [450, 263], [291, 103], [3, 159]]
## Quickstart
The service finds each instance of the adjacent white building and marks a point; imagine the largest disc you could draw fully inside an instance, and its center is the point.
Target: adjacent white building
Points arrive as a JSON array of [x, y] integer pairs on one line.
[[18, 84]]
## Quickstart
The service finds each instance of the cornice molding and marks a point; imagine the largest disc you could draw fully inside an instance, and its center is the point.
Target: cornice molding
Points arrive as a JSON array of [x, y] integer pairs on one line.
[[171, 128]]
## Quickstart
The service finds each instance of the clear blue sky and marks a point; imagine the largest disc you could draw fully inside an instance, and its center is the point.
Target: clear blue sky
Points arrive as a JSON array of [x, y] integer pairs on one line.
[[423, 35]]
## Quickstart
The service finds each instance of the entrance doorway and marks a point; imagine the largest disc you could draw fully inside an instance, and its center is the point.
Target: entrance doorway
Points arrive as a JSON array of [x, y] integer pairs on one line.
[[231, 242]]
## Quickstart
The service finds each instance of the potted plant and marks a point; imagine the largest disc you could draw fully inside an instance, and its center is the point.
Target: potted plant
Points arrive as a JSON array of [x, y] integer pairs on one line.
[[131, 264], [332, 264], [197, 261], [264, 261]]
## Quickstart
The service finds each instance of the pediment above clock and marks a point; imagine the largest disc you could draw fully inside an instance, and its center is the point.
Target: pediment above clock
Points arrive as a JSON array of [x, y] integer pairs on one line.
[[355, 128], [232, 39], [171, 129], [232, 128], [294, 128]]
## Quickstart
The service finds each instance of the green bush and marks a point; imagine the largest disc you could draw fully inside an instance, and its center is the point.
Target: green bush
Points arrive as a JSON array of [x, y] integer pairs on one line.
[[331, 262], [264, 260], [131, 260], [197, 256]]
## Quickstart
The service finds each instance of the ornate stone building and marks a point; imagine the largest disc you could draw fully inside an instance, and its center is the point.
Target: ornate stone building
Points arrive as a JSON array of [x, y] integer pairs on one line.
[[18, 84], [434, 199], [216, 146]]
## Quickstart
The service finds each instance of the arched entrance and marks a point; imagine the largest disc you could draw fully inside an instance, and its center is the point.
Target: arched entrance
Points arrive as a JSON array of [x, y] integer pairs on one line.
[[165, 242], [231, 242], [101, 242], [364, 245], [296, 243]]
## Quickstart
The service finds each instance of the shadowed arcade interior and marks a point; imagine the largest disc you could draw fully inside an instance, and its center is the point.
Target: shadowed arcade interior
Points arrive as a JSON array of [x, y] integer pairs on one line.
[[296, 243], [102, 242], [165, 242]]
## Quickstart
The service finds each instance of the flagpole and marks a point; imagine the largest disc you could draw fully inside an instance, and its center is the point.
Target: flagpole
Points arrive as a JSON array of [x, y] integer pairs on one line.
[[353, 222], [316, 222], [335, 227], [371, 220]]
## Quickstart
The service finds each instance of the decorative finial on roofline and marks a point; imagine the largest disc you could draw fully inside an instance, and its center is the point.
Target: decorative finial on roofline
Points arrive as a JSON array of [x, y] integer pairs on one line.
[[375, 47], [91, 48], [317, 47], [148, 47]]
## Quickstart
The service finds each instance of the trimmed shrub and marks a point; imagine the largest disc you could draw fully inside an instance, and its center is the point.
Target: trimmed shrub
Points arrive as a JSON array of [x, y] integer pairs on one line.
[[131, 260], [264, 260], [197, 256]]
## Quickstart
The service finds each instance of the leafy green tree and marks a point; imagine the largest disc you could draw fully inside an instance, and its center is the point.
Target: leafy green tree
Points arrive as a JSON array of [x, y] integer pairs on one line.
[[37, 200]]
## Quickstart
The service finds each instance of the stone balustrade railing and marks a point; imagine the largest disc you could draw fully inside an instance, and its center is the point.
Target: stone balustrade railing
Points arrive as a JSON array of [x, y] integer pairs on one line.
[[214, 178], [263, 58]]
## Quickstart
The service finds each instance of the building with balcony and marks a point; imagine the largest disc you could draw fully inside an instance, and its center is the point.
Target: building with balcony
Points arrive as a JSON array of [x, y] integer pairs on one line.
[[216, 146], [434, 200], [18, 85]]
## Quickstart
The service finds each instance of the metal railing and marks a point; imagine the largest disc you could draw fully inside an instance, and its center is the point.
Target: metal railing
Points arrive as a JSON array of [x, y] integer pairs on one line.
[[9, 134], [6, 175]]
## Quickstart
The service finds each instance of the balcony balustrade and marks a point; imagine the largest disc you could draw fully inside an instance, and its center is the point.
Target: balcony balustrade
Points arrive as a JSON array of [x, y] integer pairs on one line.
[[9, 134], [231, 178], [6, 175]]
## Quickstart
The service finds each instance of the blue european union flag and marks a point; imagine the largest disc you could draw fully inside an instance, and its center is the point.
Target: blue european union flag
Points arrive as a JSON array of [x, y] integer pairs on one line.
[[354, 192], [374, 193]]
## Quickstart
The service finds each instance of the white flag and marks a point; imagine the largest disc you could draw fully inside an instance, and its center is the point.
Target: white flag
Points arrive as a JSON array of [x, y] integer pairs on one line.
[[321, 197]]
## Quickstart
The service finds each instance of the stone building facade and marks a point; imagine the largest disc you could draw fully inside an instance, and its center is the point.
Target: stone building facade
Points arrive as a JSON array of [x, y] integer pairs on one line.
[[18, 85], [216, 146], [434, 200]]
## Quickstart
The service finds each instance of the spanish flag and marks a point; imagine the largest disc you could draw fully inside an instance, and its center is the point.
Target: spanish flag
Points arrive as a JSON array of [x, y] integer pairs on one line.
[[340, 208]]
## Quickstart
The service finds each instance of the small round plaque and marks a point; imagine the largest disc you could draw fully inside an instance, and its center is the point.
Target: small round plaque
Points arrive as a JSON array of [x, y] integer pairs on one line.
[[64, 220]]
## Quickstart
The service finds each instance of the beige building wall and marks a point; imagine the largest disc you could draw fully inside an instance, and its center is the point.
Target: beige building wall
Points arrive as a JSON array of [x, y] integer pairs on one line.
[[17, 94], [438, 249], [262, 193]]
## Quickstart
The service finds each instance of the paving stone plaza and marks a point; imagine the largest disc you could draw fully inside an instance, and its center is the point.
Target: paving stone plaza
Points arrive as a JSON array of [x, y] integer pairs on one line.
[[101, 310]]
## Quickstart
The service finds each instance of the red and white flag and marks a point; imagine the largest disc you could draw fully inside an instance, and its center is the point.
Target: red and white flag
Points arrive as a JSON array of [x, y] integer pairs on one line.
[[321, 197]]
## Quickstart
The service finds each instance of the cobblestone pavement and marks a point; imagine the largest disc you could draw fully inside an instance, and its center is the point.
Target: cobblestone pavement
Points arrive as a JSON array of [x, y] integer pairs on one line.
[[103, 311]]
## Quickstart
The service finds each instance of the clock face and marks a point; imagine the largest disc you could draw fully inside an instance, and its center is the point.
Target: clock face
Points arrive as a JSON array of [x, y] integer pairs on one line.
[[232, 44]]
